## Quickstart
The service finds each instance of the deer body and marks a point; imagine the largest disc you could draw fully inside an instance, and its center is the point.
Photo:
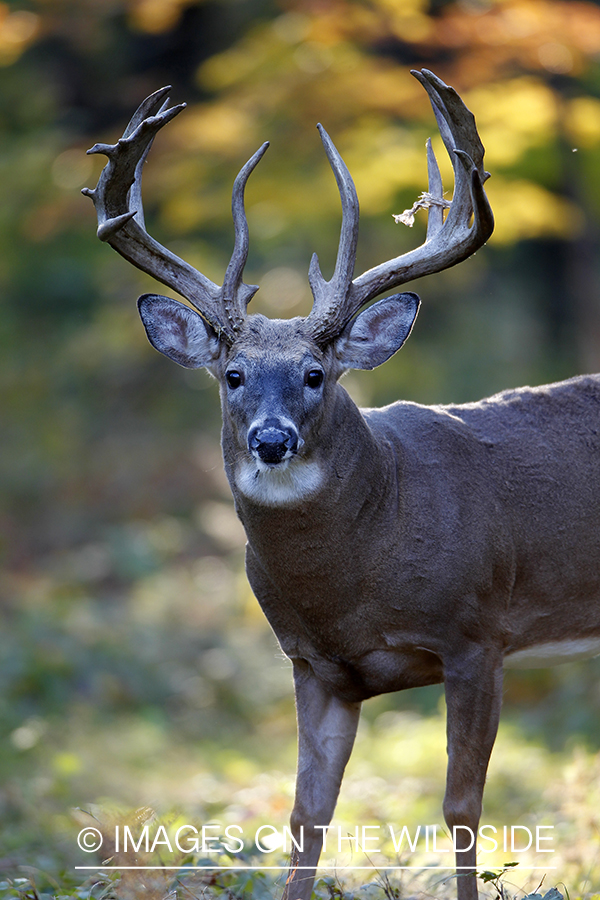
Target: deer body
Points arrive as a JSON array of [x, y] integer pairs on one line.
[[444, 543], [389, 548], [437, 526]]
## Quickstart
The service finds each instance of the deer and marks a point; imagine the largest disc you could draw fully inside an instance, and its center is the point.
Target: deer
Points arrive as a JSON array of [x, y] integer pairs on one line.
[[388, 548]]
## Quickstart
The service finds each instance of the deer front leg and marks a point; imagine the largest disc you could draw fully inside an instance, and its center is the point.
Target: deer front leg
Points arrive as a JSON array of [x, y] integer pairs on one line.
[[473, 684], [326, 732]]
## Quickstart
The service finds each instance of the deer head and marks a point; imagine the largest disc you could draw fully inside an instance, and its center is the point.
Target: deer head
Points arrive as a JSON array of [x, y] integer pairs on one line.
[[277, 377]]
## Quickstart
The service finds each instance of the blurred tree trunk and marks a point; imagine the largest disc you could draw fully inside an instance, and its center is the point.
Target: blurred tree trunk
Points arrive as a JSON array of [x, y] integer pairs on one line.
[[584, 279]]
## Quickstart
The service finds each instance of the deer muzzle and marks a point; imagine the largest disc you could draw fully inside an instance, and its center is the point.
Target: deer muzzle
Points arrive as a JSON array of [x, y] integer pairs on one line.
[[273, 443]]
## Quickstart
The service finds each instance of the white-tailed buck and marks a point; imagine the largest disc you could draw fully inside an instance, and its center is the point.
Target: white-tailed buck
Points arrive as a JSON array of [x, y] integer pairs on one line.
[[389, 548]]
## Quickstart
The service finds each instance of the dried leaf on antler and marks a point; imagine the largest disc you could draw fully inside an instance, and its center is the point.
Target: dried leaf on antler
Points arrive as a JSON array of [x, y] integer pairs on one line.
[[425, 201]]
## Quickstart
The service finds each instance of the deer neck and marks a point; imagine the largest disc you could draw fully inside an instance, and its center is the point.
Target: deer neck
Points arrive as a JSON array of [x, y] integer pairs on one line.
[[350, 474]]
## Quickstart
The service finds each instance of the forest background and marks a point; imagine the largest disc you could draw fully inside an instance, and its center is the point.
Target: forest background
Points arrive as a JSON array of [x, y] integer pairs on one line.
[[136, 669]]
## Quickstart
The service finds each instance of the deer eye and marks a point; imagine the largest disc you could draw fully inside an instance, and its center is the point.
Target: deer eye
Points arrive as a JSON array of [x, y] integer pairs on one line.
[[234, 379], [314, 378]]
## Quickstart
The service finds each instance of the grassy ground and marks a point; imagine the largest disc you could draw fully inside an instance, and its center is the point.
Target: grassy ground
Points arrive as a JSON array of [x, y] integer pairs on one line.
[[141, 686], [395, 777]]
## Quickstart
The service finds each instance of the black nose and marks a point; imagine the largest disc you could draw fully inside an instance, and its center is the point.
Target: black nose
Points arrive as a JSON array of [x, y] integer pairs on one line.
[[272, 444]]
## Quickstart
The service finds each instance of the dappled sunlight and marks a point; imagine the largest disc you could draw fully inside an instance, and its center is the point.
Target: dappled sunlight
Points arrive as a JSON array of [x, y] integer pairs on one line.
[[409, 20], [582, 121], [383, 160], [535, 34], [18, 28], [156, 16], [523, 209], [513, 116], [226, 69], [218, 129]]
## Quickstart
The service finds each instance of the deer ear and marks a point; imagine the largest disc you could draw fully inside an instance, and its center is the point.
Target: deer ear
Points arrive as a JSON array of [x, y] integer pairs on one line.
[[376, 333], [177, 331]]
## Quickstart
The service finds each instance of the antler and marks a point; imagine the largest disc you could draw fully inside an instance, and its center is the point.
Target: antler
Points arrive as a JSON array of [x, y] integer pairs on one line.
[[118, 201], [329, 296], [447, 242]]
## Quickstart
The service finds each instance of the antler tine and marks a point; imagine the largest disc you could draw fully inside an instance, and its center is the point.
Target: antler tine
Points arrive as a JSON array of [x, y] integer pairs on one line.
[[329, 311], [435, 212], [447, 242], [118, 201], [144, 111], [112, 195], [459, 132], [236, 294]]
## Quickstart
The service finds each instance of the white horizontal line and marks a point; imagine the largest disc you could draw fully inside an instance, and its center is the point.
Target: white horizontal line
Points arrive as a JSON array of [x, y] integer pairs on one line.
[[285, 868]]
